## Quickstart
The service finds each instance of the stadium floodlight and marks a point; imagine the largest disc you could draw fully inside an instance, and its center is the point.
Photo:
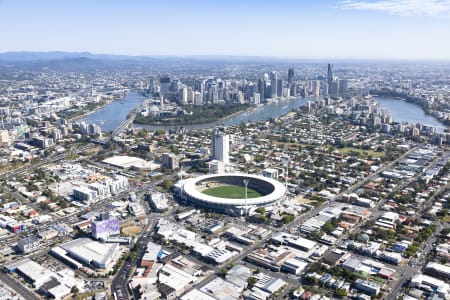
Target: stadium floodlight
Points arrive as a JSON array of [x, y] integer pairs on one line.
[[246, 181]]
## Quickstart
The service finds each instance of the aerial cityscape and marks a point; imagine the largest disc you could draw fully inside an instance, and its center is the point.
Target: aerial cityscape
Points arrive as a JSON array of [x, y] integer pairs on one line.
[[220, 151]]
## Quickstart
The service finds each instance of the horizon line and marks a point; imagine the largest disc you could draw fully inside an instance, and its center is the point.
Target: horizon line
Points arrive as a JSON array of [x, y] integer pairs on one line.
[[275, 57]]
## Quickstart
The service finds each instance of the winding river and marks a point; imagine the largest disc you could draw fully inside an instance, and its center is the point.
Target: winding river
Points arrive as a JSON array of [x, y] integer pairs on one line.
[[112, 115]]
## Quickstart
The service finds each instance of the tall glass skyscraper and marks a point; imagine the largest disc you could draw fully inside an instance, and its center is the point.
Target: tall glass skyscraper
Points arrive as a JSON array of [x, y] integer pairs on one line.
[[291, 76], [330, 77], [273, 84]]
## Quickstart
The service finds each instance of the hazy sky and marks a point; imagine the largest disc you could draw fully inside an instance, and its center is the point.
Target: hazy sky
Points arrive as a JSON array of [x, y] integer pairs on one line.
[[405, 29]]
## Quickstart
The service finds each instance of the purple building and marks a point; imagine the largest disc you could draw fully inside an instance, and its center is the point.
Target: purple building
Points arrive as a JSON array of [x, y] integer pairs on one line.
[[104, 228]]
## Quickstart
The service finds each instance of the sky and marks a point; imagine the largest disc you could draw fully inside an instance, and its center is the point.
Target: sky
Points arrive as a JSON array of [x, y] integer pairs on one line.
[[308, 29]]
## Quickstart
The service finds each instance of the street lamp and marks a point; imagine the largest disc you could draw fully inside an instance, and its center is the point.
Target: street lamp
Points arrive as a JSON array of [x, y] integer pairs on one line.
[[245, 183]]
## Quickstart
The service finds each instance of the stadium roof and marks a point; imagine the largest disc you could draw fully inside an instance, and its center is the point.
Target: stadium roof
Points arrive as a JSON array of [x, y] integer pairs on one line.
[[279, 190]]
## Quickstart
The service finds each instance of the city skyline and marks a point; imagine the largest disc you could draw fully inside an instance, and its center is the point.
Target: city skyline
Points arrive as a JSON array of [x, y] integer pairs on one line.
[[332, 29]]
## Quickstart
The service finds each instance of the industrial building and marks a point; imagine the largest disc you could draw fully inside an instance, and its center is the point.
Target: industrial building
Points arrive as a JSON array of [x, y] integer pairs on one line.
[[87, 252]]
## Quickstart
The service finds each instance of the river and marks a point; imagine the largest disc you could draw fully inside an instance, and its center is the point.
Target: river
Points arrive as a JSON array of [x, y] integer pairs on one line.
[[267, 111], [112, 115], [403, 111]]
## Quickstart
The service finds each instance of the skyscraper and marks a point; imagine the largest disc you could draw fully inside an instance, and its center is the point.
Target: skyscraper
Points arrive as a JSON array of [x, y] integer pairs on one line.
[[315, 87], [213, 96], [257, 98], [182, 96], [291, 75], [221, 146], [335, 87], [280, 85], [343, 86], [273, 84], [164, 85], [330, 77], [261, 88]]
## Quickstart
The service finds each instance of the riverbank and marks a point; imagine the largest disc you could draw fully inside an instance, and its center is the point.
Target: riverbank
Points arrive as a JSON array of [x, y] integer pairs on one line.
[[87, 113], [111, 116], [200, 115], [410, 99], [251, 114]]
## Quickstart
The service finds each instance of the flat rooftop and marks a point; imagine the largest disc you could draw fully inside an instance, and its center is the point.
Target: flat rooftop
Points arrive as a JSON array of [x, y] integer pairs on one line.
[[126, 162]]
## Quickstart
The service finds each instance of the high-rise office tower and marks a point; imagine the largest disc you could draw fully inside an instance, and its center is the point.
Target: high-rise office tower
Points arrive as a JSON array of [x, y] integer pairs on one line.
[[294, 90], [190, 95], [330, 77], [291, 75], [280, 84], [221, 146], [199, 86], [175, 85], [273, 84], [325, 88], [164, 85], [261, 88], [335, 87], [212, 93], [343, 86]]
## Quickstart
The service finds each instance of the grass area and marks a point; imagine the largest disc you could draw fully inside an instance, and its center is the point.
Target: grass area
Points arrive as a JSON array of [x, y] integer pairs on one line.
[[131, 230], [347, 150], [303, 200], [446, 219], [231, 192]]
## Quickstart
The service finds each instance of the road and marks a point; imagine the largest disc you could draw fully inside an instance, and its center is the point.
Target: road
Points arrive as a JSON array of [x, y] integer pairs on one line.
[[129, 120], [416, 263], [120, 281], [300, 219], [23, 291]]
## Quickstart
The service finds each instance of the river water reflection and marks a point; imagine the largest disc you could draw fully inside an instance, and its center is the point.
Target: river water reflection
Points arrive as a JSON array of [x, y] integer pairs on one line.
[[112, 115]]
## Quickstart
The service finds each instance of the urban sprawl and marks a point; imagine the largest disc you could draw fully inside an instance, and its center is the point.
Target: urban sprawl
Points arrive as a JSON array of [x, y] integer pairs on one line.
[[333, 199]]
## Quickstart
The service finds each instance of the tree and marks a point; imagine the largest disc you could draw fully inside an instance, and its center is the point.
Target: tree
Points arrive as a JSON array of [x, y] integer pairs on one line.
[[62, 204], [251, 282], [74, 290], [288, 219], [261, 210], [327, 227], [341, 293], [318, 234], [166, 184], [44, 205]]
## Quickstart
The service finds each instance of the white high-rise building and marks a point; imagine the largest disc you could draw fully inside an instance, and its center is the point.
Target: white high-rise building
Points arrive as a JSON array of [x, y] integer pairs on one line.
[[183, 96], [257, 98], [198, 98], [316, 88], [221, 147]]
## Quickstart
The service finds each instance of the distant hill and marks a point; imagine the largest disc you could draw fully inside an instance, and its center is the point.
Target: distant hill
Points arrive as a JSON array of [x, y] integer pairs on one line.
[[59, 55], [71, 61], [17, 56], [88, 62]]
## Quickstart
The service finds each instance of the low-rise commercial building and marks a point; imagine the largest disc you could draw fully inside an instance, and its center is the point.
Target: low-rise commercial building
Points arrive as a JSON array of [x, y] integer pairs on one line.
[[368, 287]]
